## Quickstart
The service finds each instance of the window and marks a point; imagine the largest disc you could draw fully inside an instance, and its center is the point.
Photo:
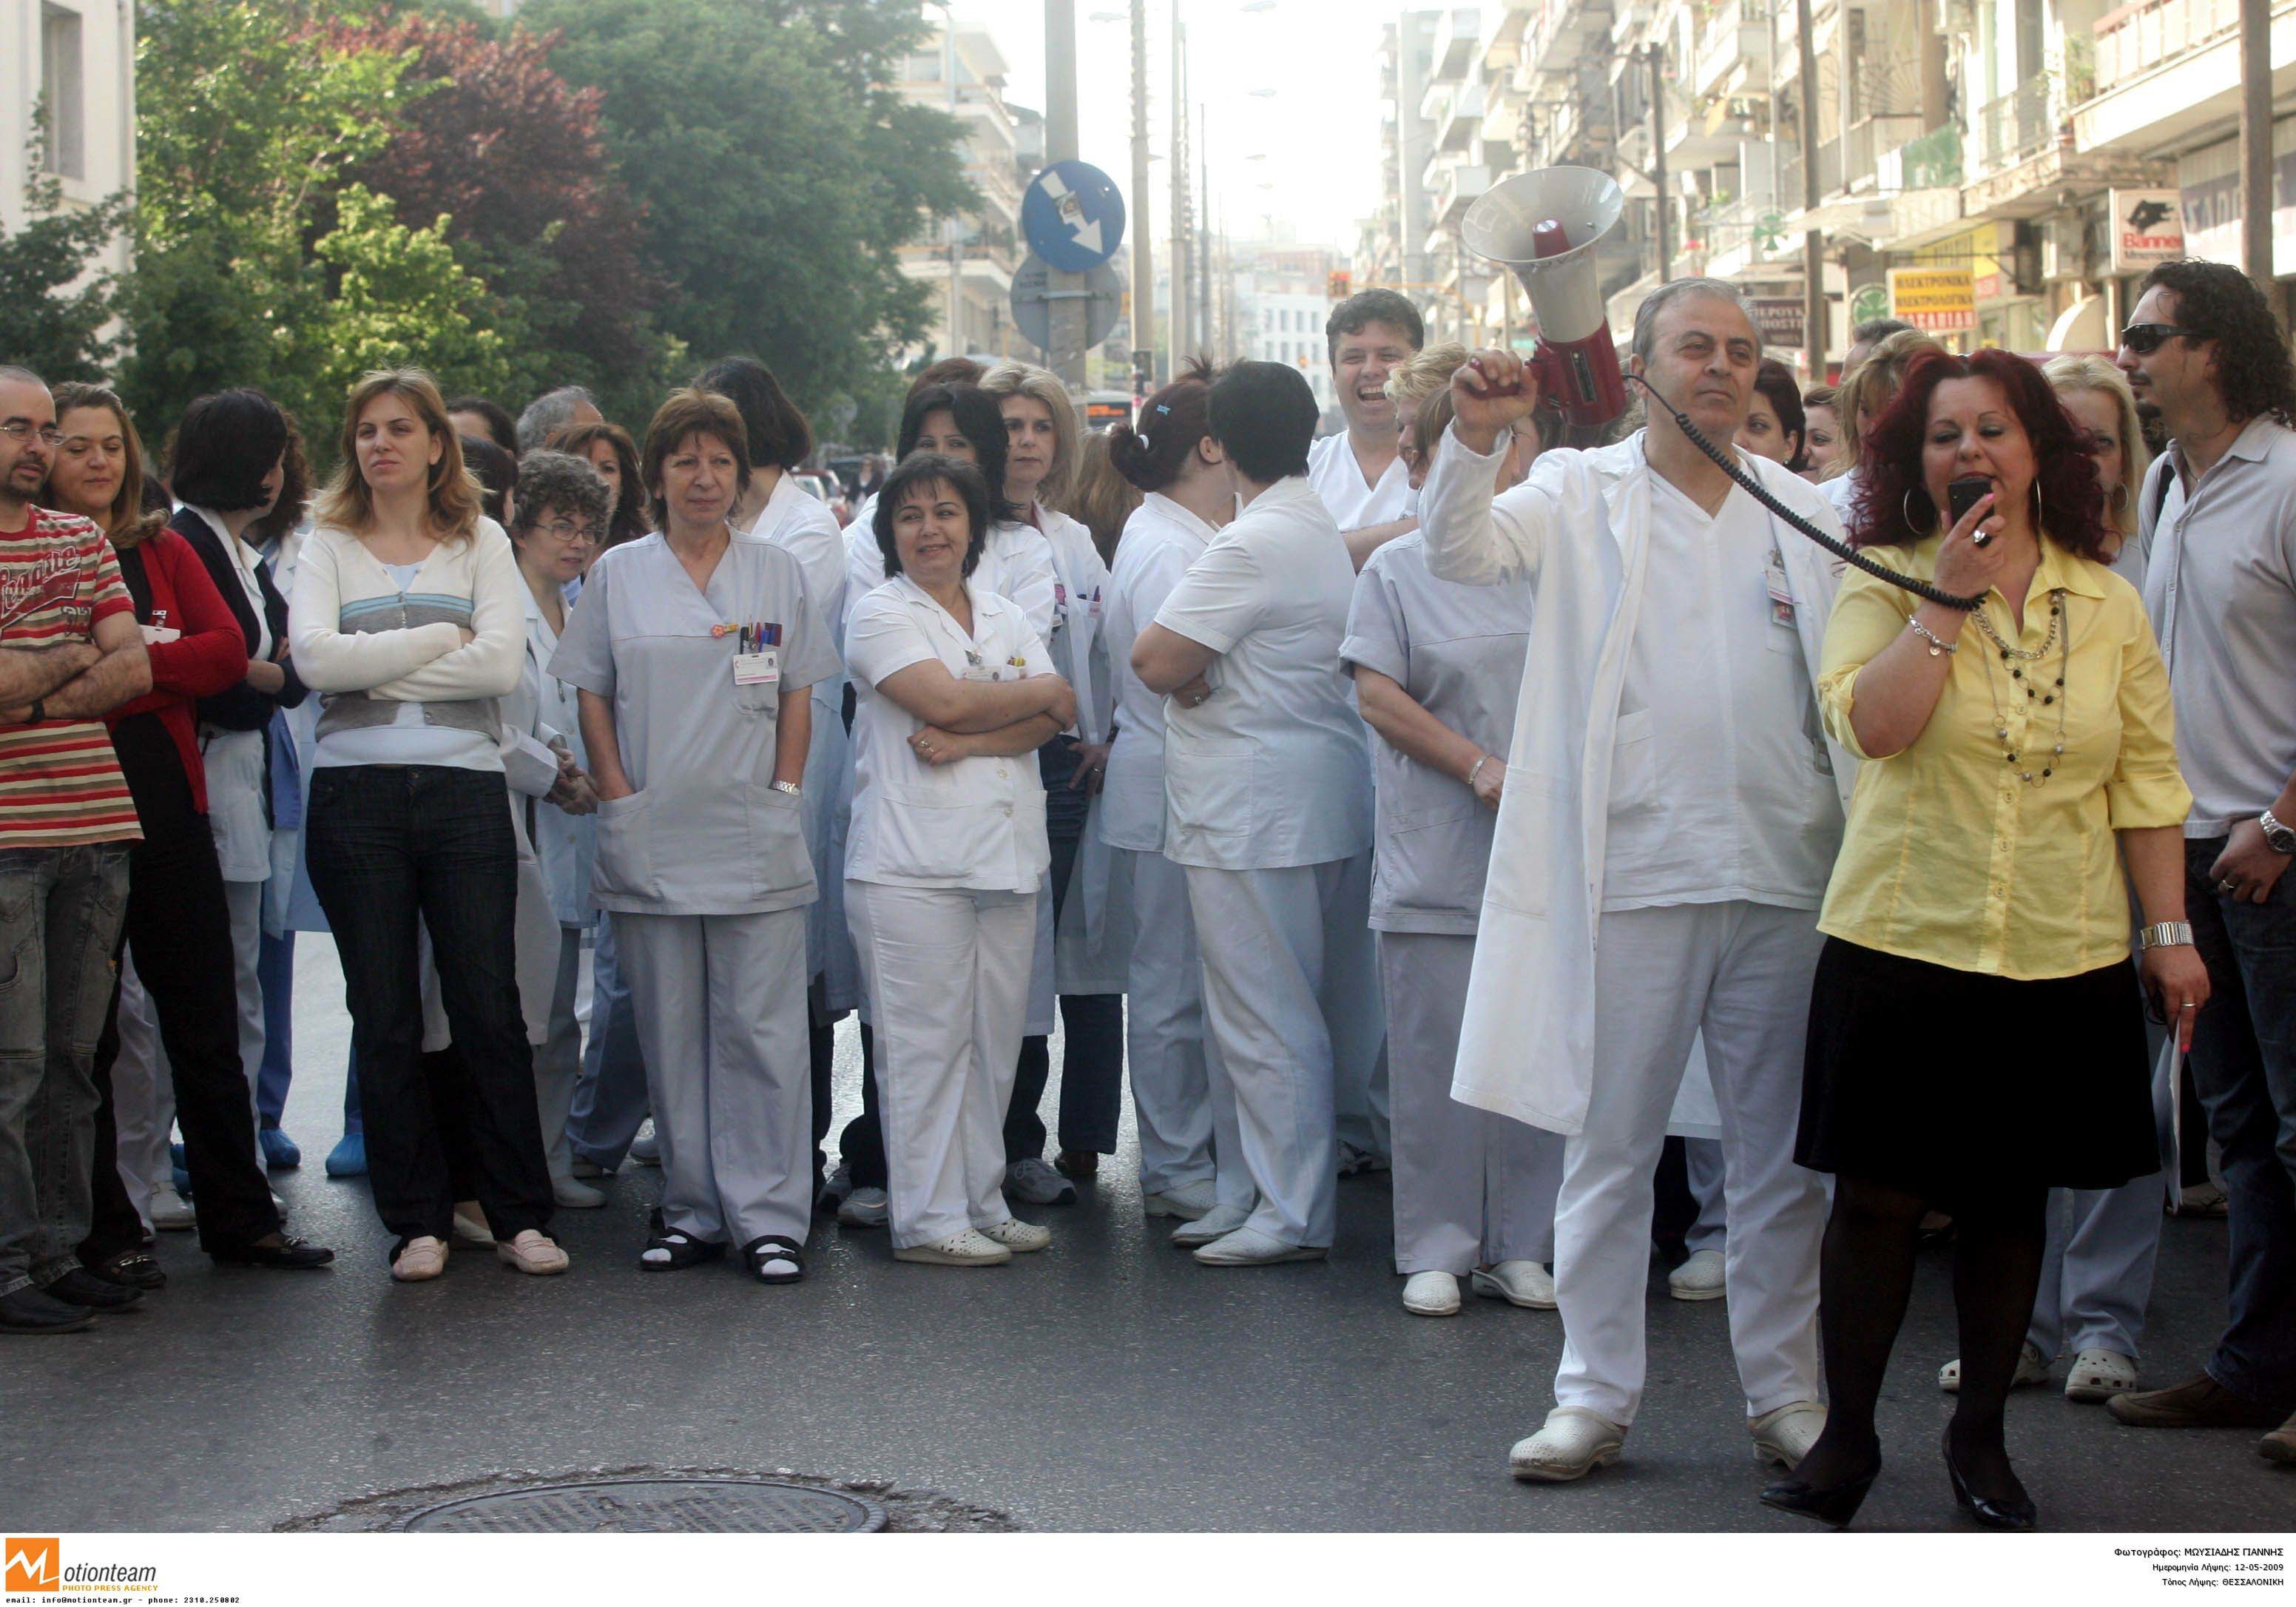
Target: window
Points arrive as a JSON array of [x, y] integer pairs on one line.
[[65, 153]]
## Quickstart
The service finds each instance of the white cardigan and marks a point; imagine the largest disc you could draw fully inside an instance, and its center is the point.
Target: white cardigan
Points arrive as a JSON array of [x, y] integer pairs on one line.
[[425, 663]]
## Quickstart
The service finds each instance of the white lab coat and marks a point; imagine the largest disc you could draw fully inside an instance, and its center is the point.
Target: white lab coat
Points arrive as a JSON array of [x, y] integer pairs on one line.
[[1353, 501], [1577, 530]]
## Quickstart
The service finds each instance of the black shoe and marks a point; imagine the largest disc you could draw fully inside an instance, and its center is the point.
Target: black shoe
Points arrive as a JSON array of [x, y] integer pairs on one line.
[[31, 1310], [2016, 1513], [760, 1253], [79, 1287], [670, 1250], [1833, 1504], [133, 1269], [287, 1255]]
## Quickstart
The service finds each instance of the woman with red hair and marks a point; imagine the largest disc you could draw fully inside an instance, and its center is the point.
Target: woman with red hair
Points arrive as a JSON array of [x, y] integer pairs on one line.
[[1973, 1038]]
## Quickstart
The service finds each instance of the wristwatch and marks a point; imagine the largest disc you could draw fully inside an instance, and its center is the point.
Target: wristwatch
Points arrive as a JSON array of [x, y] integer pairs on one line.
[[2166, 934], [40, 711], [2282, 839], [789, 787]]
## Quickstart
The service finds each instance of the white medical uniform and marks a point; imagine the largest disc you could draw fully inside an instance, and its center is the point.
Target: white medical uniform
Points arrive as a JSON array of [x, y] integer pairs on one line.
[[706, 871], [1668, 781], [1183, 1104], [1267, 786], [1355, 502], [1471, 1187], [805, 526], [943, 871]]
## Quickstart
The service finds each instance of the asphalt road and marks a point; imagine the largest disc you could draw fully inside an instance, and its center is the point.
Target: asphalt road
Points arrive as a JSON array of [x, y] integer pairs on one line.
[[1107, 1383]]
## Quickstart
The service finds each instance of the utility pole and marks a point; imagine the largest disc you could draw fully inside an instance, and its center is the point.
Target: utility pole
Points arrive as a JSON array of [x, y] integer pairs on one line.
[[1203, 146], [1071, 321], [955, 225], [1144, 253], [2256, 141], [1657, 60], [1178, 322], [1813, 247]]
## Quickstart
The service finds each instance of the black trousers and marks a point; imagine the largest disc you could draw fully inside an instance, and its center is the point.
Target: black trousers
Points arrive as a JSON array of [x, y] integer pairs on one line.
[[180, 930], [393, 849]]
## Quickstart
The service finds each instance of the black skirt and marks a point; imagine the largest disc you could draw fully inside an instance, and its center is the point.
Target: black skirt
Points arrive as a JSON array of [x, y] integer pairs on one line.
[[1946, 1082]]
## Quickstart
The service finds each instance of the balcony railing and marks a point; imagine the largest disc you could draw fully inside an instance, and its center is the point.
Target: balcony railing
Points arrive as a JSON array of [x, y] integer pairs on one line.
[[1931, 162], [2138, 38], [2020, 125]]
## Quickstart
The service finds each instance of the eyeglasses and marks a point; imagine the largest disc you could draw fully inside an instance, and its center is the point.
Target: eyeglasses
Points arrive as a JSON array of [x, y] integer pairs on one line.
[[2143, 337], [20, 429], [560, 529]]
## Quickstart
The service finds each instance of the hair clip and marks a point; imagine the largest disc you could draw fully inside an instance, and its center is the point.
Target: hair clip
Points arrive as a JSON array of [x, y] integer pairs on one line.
[[1164, 407]]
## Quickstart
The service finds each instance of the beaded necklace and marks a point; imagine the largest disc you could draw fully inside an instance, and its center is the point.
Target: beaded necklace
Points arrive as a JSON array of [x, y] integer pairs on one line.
[[2059, 637]]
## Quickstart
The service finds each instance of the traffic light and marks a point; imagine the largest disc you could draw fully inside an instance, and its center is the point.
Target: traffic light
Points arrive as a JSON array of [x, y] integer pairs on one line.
[[1338, 286]]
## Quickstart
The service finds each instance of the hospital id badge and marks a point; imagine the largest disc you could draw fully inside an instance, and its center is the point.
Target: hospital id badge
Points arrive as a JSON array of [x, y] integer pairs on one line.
[[762, 667], [1782, 602]]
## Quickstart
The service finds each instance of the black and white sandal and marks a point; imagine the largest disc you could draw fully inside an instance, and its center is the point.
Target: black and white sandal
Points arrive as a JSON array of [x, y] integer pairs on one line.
[[773, 1259], [670, 1250]]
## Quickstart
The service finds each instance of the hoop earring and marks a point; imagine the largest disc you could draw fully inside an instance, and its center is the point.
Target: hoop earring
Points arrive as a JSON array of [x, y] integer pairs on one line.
[[1906, 506], [2119, 496], [2040, 513]]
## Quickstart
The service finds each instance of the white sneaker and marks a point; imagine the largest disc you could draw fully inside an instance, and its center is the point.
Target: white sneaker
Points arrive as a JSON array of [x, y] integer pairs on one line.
[[1431, 1294], [587, 1171], [575, 1196], [1190, 1201], [1574, 1442], [1249, 1247], [864, 1207], [967, 1249], [1785, 1435], [423, 1259], [2100, 1375], [1216, 1222], [1700, 1278], [2032, 1368], [645, 1149], [1524, 1284], [170, 1212], [1016, 1235], [839, 1183], [534, 1252], [1032, 1182], [471, 1232]]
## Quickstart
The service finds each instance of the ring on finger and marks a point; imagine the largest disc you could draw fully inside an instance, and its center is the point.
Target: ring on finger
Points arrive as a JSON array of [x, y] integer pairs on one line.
[[2227, 886]]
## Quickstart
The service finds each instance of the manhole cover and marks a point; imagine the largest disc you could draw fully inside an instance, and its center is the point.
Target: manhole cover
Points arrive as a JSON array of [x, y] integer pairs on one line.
[[654, 1507]]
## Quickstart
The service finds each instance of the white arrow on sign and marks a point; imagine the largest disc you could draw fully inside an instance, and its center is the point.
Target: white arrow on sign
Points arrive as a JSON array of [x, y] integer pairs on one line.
[[1087, 236]]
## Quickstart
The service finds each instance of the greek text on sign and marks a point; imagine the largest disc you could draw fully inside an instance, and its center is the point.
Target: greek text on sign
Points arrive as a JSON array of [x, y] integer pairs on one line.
[[1934, 298], [2148, 226]]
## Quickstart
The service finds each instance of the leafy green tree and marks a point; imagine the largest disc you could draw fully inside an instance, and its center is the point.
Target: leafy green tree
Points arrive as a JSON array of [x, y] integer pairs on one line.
[[54, 311], [777, 175], [401, 298]]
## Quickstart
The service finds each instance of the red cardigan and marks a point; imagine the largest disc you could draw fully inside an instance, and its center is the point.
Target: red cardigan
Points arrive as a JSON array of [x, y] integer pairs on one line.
[[210, 657]]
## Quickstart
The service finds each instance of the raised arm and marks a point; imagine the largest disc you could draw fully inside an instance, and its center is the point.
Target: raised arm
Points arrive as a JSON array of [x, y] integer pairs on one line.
[[1474, 538]]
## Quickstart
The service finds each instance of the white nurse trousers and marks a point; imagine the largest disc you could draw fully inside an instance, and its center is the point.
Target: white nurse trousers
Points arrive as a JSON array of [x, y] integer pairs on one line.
[[558, 1058], [721, 1018], [1183, 1104], [1471, 1187], [946, 974], [1741, 972], [1291, 984]]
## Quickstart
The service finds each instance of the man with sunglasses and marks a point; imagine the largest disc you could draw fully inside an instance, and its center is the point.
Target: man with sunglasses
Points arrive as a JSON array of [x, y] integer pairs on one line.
[[2204, 353], [69, 651]]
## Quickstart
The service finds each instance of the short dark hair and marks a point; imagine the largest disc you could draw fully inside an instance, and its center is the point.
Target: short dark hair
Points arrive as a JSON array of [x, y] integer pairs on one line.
[[688, 413], [495, 470], [1370, 307], [979, 419], [501, 427], [1875, 330], [548, 480], [924, 469], [948, 370], [224, 445], [2216, 301], [779, 435], [1263, 416], [1782, 391]]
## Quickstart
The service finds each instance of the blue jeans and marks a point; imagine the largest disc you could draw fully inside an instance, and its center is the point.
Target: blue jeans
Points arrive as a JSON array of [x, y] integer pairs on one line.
[[60, 914], [2244, 1065], [393, 849], [276, 971]]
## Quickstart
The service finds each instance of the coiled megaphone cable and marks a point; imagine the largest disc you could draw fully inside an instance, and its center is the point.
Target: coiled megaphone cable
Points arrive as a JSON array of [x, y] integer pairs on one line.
[[1730, 466]]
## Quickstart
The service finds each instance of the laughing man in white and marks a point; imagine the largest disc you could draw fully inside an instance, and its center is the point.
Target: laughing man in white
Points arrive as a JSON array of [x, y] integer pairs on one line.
[[1669, 788]]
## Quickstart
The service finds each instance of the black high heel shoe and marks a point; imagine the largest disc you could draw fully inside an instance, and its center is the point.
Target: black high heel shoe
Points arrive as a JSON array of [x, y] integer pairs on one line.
[[2017, 1513], [1833, 1504]]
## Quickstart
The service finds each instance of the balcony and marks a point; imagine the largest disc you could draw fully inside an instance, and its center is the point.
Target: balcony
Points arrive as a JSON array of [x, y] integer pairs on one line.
[[1463, 117], [1455, 189], [1564, 31], [2168, 73], [2019, 126], [1736, 34], [2136, 38], [1931, 162], [1458, 41]]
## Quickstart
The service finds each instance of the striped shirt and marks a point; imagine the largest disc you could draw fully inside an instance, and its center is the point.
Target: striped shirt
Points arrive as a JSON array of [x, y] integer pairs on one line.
[[60, 782]]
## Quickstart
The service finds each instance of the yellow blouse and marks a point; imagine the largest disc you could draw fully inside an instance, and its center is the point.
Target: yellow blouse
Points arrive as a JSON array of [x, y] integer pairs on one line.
[[1947, 856]]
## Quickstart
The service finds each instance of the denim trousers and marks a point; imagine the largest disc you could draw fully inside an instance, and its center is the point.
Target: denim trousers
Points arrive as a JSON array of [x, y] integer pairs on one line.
[[395, 849], [2244, 1066], [59, 913]]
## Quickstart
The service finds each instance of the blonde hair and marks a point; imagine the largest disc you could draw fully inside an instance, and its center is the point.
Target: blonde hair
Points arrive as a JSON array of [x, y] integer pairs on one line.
[[2089, 371], [1043, 385], [1865, 392], [1103, 498], [456, 501], [1425, 372]]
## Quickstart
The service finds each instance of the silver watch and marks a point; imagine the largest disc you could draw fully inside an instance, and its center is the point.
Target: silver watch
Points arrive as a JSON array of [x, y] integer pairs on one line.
[[2282, 839], [789, 787], [2166, 934]]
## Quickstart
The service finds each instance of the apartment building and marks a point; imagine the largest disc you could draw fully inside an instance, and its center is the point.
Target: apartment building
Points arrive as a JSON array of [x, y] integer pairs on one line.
[[963, 72], [78, 59], [1392, 248]]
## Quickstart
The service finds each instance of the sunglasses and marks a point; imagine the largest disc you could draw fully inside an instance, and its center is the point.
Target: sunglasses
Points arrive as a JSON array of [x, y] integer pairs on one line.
[[2143, 337]]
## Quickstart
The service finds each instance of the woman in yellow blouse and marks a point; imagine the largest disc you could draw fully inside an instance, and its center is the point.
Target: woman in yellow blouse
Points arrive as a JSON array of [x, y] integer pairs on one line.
[[1973, 1039]]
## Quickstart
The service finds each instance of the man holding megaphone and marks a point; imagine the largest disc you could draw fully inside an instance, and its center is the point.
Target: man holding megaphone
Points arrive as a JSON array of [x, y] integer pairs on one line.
[[1670, 792]]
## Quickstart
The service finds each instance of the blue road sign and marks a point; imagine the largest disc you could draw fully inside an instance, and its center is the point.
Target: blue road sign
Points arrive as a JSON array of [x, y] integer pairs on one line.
[[1073, 216]]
